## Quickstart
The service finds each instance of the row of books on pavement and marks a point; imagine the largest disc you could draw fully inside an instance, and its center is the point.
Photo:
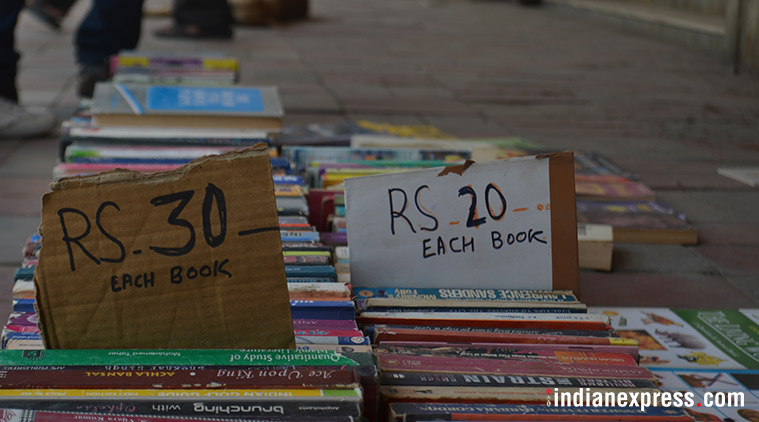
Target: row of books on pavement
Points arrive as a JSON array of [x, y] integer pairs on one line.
[[450, 354], [325, 379]]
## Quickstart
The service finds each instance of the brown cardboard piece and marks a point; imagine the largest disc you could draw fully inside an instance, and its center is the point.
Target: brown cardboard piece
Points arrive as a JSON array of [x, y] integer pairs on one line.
[[131, 260]]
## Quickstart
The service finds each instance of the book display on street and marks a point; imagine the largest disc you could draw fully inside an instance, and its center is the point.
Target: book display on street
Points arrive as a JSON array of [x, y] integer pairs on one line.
[[198, 259]]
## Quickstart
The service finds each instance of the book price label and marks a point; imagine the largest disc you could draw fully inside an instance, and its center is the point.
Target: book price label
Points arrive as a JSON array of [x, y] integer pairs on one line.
[[485, 225], [186, 259]]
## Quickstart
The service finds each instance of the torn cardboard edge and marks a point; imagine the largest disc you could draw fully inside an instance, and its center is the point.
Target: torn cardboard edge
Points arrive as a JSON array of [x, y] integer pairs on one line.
[[457, 169], [120, 175]]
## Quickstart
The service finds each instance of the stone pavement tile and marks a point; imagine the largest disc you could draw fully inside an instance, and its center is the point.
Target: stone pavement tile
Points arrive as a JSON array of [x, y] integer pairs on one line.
[[32, 158], [400, 119], [16, 230], [7, 147], [412, 92], [727, 233], [298, 119], [350, 78], [309, 103], [749, 285], [427, 106], [290, 78], [6, 294], [635, 257], [22, 196], [665, 290], [733, 260], [467, 127], [670, 172], [359, 91], [735, 207]]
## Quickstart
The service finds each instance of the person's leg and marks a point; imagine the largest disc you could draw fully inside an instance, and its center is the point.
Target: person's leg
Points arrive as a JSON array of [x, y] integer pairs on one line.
[[203, 13], [199, 19], [9, 10], [50, 12], [109, 27], [15, 121]]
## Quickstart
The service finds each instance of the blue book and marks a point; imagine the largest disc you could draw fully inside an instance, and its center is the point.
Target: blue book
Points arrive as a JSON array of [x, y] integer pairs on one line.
[[24, 274], [239, 107], [23, 305]]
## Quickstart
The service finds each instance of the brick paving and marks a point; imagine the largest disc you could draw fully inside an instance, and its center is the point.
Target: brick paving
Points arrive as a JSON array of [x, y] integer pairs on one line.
[[671, 114]]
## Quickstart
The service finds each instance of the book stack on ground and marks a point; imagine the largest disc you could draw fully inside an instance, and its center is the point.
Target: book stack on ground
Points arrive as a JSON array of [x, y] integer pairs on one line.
[[322, 310], [20, 330], [608, 195], [158, 126], [507, 354], [179, 385], [174, 69]]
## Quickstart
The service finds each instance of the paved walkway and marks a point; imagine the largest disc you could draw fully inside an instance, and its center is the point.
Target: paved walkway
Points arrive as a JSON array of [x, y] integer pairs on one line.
[[482, 68]]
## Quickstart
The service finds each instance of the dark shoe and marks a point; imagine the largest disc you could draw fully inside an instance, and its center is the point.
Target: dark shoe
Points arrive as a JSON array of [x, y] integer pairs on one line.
[[46, 13], [89, 75], [194, 32]]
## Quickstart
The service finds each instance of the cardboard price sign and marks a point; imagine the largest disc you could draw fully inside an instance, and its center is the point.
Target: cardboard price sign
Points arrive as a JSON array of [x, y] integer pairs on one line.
[[508, 224], [184, 259]]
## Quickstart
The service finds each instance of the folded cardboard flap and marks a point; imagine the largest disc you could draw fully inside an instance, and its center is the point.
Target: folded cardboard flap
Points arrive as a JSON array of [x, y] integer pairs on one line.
[[189, 258]]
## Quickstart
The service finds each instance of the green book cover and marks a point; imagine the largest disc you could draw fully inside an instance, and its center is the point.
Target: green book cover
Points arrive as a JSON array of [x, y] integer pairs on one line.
[[206, 357]]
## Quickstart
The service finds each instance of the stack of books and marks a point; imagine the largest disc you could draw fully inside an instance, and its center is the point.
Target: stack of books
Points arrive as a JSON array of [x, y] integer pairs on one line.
[[608, 195], [174, 69], [507, 354], [179, 385]]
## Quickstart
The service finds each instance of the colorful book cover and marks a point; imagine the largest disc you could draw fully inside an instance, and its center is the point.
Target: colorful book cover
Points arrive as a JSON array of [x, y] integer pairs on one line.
[[715, 339], [137, 99]]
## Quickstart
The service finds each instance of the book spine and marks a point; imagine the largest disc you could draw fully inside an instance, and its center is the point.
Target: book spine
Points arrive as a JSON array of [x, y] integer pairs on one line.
[[413, 412], [389, 309], [392, 334], [497, 320], [527, 296], [533, 367], [209, 357], [326, 324], [329, 333], [422, 379], [217, 378], [19, 415], [222, 409], [470, 394], [563, 357], [495, 330], [361, 349], [306, 260], [310, 271], [356, 340]]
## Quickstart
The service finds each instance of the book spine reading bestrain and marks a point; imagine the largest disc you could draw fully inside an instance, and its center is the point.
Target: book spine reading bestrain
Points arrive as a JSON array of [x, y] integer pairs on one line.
[[422, 379], [476, 394]]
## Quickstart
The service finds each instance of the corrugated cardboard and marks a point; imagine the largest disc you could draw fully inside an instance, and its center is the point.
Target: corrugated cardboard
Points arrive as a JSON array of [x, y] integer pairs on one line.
[[105, 237]]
